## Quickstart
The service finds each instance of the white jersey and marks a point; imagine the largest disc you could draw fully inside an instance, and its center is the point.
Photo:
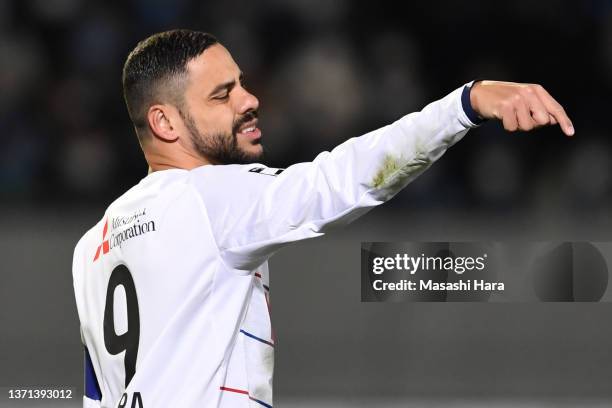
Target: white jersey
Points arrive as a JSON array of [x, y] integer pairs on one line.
[[172, 285]]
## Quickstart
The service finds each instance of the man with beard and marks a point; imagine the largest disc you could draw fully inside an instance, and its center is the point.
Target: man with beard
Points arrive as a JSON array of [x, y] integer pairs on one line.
[[171, 284]]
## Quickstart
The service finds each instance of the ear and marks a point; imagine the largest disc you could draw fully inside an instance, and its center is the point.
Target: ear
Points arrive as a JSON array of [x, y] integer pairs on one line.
[[162, 122]]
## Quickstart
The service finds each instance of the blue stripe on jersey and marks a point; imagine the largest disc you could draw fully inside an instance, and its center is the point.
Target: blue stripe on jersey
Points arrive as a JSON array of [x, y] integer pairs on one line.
[[256, 338], [260, 402], [92, 389]]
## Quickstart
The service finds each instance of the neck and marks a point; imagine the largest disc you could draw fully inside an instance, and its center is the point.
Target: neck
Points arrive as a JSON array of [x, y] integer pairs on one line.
[[173, 160]]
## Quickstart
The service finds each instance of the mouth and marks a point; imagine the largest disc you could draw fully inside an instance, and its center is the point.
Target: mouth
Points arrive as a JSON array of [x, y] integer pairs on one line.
[[249, 130]]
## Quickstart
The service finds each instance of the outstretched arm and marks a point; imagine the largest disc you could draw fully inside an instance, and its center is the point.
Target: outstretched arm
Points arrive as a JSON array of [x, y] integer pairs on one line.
[[307, 199]]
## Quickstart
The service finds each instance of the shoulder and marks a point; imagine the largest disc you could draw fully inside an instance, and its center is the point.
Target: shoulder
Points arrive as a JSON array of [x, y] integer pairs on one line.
[[153, 194], [246, 172], [227, 192], [234, 180]]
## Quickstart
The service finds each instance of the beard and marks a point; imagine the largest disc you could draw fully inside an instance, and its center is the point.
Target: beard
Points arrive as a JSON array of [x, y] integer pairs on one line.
[[222, 147]]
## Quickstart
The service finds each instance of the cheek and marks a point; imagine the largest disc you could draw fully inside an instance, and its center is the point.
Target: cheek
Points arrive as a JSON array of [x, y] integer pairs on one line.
[[225, 124], [215, 121]]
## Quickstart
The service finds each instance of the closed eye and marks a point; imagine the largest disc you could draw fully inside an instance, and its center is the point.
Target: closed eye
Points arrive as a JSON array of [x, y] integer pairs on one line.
[[226, 88]]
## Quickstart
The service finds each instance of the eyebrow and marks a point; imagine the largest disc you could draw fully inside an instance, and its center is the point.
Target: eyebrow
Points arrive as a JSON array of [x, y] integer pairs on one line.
[[226, 85]]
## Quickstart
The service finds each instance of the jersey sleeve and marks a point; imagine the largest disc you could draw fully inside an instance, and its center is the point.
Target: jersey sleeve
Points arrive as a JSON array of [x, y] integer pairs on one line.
[[308, 199]]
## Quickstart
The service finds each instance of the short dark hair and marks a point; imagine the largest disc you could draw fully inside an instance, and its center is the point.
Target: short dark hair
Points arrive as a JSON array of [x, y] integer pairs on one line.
[[155, 70]]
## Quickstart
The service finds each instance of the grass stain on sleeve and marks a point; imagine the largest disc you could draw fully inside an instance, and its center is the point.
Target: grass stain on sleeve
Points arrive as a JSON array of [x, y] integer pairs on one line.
[[394, 170]]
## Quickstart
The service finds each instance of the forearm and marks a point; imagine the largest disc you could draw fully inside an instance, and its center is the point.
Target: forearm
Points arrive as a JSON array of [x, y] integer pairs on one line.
[[380, 163]]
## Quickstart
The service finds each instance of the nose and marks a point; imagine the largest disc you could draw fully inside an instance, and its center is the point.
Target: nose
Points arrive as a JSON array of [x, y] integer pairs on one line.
[[247, 101]]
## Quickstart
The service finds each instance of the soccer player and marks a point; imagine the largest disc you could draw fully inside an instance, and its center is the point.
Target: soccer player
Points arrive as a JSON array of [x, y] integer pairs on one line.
[[171, 284]]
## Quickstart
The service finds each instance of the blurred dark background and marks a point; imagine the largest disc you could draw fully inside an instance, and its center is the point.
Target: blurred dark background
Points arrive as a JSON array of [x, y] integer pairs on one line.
[[324, 71]]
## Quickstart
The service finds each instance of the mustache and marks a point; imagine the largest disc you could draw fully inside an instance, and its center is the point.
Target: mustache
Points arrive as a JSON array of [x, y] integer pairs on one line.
[[247, 117]]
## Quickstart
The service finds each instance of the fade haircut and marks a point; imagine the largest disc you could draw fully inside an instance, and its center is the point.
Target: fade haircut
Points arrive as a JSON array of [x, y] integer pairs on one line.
[[156, 71]]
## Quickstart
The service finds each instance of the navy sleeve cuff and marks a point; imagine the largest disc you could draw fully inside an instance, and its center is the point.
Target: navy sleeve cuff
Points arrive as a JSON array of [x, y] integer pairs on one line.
[[467, 106]]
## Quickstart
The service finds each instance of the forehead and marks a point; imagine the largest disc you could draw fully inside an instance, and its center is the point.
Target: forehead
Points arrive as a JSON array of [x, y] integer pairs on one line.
[[214, 66]]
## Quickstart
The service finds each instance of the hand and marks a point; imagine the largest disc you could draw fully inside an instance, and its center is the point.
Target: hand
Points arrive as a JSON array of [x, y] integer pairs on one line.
[[519, 106]]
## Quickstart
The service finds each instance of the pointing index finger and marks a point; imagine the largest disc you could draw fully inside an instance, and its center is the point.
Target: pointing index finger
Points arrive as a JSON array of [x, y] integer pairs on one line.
[[556, 111]]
